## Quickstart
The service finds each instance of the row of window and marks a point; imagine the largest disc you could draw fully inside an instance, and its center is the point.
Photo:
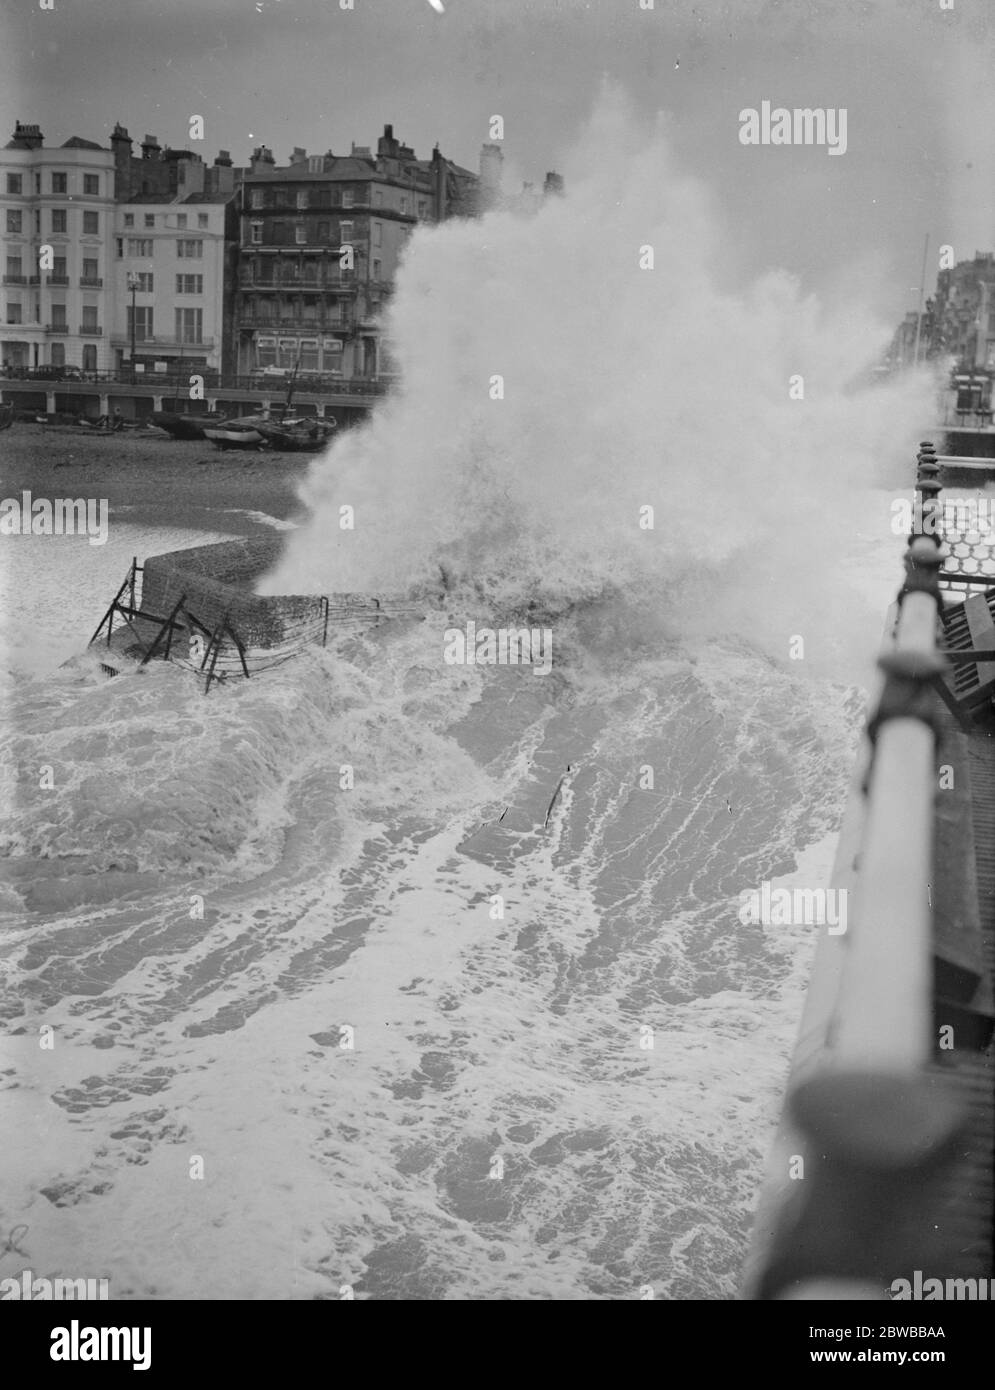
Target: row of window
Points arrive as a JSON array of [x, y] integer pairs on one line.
[[289, 311], [278, 231], [185, 284], [181, 219], [260, 198], [18, 355], [59, 223], [188, 324], [15, 268], [60, 184], [288, 352], [293, 277], [186, 249], [56, 315]]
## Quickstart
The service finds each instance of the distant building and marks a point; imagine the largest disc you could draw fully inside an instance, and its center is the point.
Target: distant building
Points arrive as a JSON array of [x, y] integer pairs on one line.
[[174, 269], [178, 264], [175, 246], [165, 174], [962, 314], [957, 325], [298, 301], [902, 351], [492, 195], [61, 198]]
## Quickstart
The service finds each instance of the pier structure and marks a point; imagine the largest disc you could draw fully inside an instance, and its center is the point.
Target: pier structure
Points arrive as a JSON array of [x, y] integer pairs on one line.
[[882, 1166]]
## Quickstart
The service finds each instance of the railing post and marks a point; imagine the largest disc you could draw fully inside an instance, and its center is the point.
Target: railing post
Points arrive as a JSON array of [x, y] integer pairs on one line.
[[928, 512]]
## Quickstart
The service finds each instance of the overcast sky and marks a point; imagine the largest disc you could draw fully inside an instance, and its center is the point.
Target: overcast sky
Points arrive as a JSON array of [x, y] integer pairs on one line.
[[916, 81]]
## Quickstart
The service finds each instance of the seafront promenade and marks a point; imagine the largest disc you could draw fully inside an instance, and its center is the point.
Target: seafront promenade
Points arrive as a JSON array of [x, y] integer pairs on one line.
[[138, 397]]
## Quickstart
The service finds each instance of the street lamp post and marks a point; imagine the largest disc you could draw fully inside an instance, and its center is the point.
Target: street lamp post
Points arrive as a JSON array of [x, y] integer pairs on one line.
[[133, 286]]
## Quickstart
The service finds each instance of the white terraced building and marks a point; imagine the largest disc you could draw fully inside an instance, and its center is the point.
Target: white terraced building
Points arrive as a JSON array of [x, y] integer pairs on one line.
[[172, 266], [62, 198]]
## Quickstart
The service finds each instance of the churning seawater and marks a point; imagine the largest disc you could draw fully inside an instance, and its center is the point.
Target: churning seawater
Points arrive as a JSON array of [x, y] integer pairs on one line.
[[341, 996]]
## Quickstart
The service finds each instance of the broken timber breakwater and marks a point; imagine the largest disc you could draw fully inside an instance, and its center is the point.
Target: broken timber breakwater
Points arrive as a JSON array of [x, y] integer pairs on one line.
[[197, 608]]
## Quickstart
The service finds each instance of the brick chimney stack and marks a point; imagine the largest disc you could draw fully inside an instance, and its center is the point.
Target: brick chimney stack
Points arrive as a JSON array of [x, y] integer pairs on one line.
[[28, 137], [262, 158], [121, 145]]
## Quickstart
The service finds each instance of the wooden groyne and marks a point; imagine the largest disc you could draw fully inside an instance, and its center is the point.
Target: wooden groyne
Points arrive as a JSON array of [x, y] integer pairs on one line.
[[197, 608]]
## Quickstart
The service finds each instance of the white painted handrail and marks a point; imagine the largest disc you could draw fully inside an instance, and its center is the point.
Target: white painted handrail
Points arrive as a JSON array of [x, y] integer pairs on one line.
[[884, 1012]]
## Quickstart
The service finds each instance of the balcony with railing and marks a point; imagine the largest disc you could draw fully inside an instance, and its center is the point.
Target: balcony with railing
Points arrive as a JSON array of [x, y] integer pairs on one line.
[[321, 323], [90, 330], [91, 282], [61, 328], [15, 279], [56, 279], [297, 252], [331, 282], [123, 339]]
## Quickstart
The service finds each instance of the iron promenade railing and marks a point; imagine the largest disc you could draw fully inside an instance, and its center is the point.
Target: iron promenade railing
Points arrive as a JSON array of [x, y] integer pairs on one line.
[[870, 1173]]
